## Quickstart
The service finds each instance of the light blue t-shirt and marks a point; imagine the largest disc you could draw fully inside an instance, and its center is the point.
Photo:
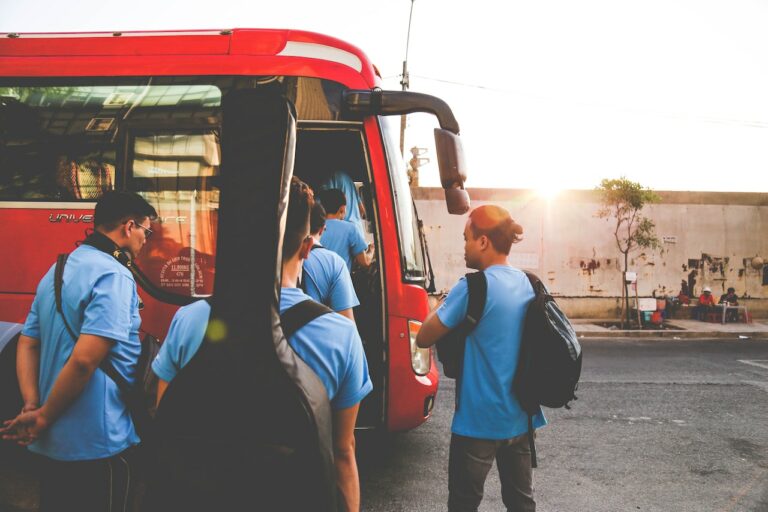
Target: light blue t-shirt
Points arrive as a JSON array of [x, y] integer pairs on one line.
[[343, 182], [343, 238], [98, 297], [326, 279], [185, 335], [487, 408], [330, 345]]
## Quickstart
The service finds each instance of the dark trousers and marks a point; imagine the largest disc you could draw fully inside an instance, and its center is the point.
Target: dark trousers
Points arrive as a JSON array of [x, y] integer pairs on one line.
[[468, 465], [102, 485]]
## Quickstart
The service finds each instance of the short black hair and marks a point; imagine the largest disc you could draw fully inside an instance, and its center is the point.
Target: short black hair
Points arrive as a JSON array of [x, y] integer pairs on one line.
[[300, 201], [117, 206], [316, 219], [333, 199], [731, 290]]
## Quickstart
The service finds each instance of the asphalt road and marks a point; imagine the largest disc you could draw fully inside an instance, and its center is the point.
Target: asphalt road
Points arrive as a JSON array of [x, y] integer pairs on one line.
[[663, 426]]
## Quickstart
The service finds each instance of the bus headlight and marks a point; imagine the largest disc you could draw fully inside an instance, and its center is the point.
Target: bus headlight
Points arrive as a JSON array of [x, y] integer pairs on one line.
[[421, 360]]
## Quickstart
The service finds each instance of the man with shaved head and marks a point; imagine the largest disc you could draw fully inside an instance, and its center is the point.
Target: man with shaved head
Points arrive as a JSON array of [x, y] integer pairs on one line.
[[488, 423]]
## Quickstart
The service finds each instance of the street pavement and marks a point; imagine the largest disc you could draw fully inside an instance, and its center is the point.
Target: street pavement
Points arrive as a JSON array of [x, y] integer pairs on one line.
[[660, 425]]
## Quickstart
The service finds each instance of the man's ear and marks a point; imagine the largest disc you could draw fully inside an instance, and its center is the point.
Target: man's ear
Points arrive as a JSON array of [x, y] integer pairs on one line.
[[306, 247], [484, 242], [125, 228]]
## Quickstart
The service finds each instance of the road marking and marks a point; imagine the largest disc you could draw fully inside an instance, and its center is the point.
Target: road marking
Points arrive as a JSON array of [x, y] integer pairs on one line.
[[757, 383], [760, 363]]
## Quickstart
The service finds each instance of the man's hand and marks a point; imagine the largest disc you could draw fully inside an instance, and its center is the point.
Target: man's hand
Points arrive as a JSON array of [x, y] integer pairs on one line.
[[365, 258], [26, 427], [31, 406]]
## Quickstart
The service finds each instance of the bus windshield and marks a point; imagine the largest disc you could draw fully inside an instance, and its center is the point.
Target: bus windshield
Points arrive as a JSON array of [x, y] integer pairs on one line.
[[407, 218]]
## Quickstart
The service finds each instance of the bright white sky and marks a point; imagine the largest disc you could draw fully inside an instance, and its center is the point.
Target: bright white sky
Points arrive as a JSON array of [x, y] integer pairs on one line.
[[551, 93]]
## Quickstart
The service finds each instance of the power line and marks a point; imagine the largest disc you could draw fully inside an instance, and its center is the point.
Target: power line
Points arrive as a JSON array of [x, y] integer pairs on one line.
[[748, 123]]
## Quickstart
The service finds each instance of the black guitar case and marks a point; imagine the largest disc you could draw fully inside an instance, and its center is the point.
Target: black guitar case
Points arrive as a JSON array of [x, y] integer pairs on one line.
[[246, 425]]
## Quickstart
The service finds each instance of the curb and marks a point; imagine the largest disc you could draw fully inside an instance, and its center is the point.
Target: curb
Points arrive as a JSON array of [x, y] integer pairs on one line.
[[671, 334]]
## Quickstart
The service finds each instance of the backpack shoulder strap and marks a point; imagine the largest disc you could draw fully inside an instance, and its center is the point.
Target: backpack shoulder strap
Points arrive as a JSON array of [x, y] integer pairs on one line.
[[533, 279], [58, 283], [477, 288], [58, 278], [299, 315], [539, 288]]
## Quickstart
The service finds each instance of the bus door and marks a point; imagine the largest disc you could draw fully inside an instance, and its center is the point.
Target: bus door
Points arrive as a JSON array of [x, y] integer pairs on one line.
[[323, 149]]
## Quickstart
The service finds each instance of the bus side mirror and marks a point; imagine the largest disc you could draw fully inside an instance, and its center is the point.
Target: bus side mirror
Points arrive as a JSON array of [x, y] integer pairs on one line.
[[453, 171]]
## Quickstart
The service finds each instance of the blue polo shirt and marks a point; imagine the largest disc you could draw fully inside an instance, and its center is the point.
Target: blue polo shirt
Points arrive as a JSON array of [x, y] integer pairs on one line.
[[343, 182], [98, 297], [329, 345], [344, 238], [326, 279], [487, 407]]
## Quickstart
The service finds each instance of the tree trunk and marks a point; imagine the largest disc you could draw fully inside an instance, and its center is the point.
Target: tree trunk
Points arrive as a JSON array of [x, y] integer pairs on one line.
[[626, 292]]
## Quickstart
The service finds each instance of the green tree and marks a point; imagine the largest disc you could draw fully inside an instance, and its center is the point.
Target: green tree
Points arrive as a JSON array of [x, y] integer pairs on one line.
[[622, 201]]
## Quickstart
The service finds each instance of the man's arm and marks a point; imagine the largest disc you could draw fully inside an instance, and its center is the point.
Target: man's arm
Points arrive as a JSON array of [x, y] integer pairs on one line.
[[90, 350], [28, 370], [347, 477], [162, 385], [347, 313], [365, 258], [431, 330], [361, 208]]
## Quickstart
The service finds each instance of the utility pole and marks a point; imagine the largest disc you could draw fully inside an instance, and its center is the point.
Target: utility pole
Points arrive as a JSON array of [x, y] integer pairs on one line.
[[405, 82], [415, 162]]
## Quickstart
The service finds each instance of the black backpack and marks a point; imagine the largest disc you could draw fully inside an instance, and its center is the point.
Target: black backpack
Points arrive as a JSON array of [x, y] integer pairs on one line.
[[549, 364]]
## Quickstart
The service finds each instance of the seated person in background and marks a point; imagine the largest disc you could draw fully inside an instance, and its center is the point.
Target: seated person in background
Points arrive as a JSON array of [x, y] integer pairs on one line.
[[731, 299], [355, 210], [705, 305], [329, 344], [341, 236], [325, 276]]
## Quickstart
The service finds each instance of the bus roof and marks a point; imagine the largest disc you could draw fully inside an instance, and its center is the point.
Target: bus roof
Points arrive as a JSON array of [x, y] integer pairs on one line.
[[216, 52]]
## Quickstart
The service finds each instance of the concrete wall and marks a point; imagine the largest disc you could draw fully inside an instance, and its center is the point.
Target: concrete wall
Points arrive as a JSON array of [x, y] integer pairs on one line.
[[710, 240]]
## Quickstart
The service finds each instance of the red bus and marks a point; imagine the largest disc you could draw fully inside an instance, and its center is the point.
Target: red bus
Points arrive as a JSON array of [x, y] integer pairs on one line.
[[84, 113]]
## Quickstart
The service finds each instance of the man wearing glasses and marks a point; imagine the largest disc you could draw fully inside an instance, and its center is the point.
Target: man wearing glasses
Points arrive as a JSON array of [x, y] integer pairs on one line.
[[73, 414]]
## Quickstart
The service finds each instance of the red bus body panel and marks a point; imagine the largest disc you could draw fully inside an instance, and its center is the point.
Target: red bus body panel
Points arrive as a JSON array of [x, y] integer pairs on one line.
[[407, 392]]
